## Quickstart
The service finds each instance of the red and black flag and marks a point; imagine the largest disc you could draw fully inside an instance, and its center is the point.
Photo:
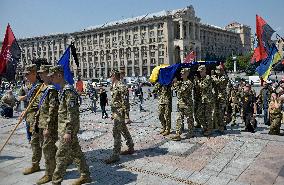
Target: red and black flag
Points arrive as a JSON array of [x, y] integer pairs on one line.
[[9, 56], [263, 34]]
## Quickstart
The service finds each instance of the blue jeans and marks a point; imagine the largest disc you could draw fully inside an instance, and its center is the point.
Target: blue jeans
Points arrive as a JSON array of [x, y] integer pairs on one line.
[[266, 118], [29, 134], [94, 106]]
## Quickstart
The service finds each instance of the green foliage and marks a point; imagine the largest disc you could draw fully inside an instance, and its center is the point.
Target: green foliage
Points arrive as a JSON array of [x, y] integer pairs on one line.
[[243, 63]]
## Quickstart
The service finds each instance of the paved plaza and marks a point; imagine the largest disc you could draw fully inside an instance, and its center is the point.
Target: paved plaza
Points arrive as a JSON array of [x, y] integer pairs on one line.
[[236, 158]]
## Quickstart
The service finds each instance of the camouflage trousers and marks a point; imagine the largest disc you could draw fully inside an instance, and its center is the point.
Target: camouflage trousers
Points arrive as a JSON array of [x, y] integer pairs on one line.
[[36, 143], [120, 128], [275, 123], [187, 114], [66, 153], [219, 114], [197, 102], [165, 116], [49, 150], [234, 112], [205, 112]]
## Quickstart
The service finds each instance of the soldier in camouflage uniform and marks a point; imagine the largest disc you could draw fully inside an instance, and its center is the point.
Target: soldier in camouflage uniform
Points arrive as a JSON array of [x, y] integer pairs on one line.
[[119, 94], [31, 75], [127, 110], [196, 100], [220, 87], [205, 110], [184, 104], [234, 99], [47, 122], [165, 107], [68, 128], [275, 115]]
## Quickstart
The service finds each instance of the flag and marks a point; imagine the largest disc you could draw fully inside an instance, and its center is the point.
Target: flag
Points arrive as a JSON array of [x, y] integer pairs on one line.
[[65, 63], [9, 56], [74, 54], [266, 65], [263, 34], [190, 57]]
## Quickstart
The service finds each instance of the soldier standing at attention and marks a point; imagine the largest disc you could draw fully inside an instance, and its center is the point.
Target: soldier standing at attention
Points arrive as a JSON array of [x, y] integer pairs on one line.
[[119, 98], [234, 100], [31, 75], [220, 83], [275, 114], [68, 128], [47, 122], [205, 110], [165, 107], [184, 104]]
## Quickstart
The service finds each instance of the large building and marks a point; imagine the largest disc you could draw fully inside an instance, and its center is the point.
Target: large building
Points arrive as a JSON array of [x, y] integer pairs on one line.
[[136, 45]]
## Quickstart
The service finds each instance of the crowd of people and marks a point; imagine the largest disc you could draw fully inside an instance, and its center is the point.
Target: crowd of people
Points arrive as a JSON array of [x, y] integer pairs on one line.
[[210, 100]]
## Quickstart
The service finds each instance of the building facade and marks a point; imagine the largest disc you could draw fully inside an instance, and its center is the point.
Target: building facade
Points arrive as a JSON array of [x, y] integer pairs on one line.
[[136, 45]]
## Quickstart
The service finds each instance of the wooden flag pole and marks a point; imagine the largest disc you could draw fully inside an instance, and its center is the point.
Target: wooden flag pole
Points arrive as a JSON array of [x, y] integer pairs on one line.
[[22, 117]]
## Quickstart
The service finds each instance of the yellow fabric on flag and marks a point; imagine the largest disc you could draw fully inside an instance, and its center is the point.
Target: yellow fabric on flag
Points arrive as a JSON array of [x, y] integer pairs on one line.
[[276, 59], [155, 73]]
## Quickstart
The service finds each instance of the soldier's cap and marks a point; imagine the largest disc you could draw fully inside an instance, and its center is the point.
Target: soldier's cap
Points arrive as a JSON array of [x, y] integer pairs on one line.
[[30, 68], [248, 85], [55, 69], [201, 68], [114, 72], [184, 70], [44, 68]]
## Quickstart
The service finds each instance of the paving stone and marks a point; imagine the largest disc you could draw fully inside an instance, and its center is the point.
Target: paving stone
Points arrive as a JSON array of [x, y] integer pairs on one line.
[[213, 180], [182, 174], [199, 177]]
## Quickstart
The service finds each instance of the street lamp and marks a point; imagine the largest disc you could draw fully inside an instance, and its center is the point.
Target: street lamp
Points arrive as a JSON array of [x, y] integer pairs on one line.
[[234, 58]]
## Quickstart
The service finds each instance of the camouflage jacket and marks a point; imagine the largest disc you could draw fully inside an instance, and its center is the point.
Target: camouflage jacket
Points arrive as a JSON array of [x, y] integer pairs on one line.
[[48, 108], [68, 112], [235, 96], [9, 101], [184, 93], [119, 96], [30, 115], [205, 84], [164, 93], [220, 87]]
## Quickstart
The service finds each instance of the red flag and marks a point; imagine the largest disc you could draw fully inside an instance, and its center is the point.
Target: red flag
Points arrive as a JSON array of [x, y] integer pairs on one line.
[[9, 56], [263, 34], [190, 57]]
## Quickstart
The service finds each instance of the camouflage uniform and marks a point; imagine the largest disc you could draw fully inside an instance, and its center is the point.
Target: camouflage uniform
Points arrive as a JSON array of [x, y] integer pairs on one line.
[[248, 103], [220, 84], [184, 104], [275, 116], [205, 110], [48, 120], [197, 101], [234, 100], [69, 123], [165, 104], [119, 103]]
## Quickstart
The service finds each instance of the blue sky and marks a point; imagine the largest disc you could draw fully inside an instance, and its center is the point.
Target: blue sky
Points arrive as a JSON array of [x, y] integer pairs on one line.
[[38, 17]]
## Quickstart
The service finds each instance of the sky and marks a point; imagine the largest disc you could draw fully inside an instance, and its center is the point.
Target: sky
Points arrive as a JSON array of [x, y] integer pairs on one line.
[[40, 17]]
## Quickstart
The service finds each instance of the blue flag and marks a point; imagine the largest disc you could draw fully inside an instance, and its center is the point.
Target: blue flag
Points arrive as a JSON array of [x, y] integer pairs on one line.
[[64, 62], [267, 63]]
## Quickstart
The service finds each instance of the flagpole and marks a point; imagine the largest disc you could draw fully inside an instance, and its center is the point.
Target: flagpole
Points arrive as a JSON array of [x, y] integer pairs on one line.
[[22, 117]]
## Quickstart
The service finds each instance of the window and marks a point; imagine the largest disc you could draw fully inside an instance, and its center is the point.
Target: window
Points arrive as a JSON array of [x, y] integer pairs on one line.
[[152, 54]]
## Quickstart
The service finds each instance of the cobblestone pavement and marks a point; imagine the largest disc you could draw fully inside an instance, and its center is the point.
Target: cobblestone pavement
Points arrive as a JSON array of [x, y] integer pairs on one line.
[[236, 158]]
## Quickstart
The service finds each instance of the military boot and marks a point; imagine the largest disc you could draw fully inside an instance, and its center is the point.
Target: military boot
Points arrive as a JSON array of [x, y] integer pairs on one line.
[[167, 132], [176, 137], [130, 151], [206, 132], [33, 169], [163, 130], [189, 135], [111, 160], [44, 179], [82, 180]]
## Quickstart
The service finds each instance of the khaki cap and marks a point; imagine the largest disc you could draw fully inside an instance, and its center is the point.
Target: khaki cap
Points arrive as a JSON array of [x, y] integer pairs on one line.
[[30, 68], [44, 68], [55, 69], [201, 68]]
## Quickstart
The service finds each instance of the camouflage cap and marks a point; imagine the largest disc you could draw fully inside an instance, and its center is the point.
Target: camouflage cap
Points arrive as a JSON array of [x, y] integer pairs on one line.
[[55, 69], [201, 68], [115, 72], [30, 68], [184, 70], [44, 68]]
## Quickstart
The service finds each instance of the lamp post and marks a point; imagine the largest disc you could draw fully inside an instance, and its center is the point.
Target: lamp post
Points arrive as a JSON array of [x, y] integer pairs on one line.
[[235, 63]]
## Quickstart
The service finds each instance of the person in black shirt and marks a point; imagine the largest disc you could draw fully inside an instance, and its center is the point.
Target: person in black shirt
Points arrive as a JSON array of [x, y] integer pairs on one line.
[[103, 102], [249, 108]]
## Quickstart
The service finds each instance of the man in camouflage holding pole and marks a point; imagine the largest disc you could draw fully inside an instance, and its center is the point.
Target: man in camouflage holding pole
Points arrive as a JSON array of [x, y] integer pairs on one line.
[[31, 75], [68, 128], [47, 122]]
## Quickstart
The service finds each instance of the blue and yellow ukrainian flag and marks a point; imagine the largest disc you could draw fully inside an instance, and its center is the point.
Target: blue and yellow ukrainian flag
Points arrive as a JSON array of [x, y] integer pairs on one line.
[[266, 65]]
